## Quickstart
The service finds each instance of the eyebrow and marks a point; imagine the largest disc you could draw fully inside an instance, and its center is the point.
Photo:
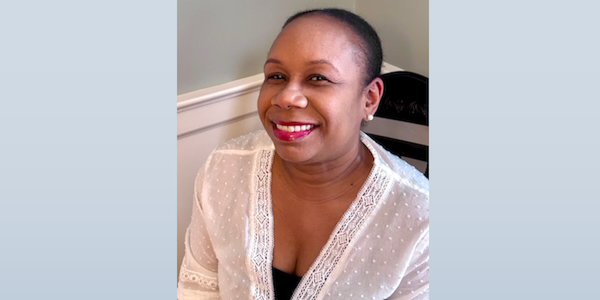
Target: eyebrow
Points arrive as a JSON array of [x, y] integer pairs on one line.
[[312, 62]]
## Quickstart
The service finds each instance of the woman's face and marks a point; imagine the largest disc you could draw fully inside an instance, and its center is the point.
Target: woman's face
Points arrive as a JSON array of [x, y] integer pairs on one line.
[[312, 101]]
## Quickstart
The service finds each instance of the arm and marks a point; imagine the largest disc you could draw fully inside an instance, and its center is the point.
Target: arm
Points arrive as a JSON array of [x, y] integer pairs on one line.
[[415, 283], [198, 275]]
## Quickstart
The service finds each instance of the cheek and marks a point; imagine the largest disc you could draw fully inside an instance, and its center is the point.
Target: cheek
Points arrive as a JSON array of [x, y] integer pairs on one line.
[[341, 111], [263, 102]]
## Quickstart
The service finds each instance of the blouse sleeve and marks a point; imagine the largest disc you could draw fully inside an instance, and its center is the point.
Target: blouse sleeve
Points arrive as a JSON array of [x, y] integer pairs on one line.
[[198, 275], [415, 284]]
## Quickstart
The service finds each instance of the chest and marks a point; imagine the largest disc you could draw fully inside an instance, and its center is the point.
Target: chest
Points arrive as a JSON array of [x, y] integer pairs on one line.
[[302, 229]]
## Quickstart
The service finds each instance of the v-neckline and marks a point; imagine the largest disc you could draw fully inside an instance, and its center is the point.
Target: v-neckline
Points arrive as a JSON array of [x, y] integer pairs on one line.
[[340, 239]]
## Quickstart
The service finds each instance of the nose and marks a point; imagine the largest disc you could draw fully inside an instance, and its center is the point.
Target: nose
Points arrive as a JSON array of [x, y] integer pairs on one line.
[[290, 97]]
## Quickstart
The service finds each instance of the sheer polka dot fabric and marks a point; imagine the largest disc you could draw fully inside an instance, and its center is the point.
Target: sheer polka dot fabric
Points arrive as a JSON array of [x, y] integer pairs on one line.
[[378, 250]]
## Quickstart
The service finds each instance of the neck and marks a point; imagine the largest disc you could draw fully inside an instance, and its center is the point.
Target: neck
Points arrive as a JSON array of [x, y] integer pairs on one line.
[[325, 181]]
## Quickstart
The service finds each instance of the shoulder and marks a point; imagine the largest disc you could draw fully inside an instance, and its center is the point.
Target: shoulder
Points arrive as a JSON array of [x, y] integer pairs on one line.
[[251, 142], [245, 145], [235, 154], [408, 195], [227, 173]]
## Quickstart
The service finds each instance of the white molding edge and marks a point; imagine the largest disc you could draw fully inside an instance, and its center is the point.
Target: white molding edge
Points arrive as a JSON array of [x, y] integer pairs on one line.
[[219, 92], [387, 68]]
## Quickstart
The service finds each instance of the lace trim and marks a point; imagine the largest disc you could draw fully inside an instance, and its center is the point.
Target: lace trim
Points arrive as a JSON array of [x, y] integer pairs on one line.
[[261, 235], [350, 224], [200, 279]]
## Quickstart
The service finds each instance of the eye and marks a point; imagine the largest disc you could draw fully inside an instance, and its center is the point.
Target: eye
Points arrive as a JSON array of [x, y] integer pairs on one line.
[[275, 77], [317, 78]]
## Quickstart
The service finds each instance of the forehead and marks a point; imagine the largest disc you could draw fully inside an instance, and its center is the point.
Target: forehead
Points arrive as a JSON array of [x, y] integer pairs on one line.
[[316, 37]]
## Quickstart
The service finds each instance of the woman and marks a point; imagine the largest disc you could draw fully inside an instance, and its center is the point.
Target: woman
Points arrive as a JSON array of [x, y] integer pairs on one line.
[[310, 206]]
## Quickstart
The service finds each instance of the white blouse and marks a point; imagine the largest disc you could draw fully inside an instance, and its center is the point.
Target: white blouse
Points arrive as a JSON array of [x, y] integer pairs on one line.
[[378, 250]]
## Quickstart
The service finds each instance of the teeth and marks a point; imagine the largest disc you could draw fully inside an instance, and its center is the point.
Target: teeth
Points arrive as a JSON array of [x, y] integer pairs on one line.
[[296, 128]]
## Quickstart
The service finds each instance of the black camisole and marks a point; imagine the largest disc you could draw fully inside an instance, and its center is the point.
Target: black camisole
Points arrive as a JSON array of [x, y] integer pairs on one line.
[[284, 284]]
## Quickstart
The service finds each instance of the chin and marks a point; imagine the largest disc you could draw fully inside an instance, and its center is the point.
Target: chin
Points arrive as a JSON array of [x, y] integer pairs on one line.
[[294, 154]]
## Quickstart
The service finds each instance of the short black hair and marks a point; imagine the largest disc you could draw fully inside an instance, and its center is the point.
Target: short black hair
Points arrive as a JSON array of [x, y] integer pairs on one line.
[[371, 44]]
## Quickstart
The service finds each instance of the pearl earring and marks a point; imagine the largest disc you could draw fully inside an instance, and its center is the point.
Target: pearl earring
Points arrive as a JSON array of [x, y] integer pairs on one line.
[[370, 117]]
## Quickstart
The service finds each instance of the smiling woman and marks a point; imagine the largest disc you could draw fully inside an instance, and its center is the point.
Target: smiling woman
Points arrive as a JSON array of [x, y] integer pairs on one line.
[[311, 207]]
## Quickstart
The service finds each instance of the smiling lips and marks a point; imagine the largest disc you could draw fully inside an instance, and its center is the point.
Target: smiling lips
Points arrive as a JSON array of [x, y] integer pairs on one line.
[[296, 128], [291, 131]]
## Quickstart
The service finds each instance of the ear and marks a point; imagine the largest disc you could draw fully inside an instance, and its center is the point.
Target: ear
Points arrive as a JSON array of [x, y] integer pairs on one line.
[[372, 96]]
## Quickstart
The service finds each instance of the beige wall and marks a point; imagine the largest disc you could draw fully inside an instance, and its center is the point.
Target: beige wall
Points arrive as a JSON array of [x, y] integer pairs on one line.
[[223, 40], [403, 26]]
